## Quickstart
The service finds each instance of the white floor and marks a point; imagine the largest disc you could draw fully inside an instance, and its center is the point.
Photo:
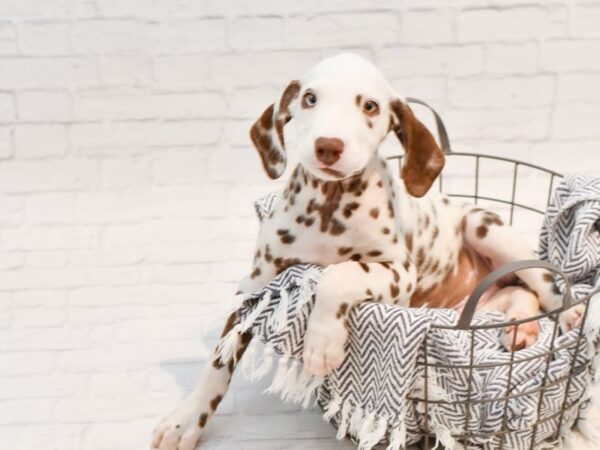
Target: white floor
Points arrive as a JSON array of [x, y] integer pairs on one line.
[[250, 420]]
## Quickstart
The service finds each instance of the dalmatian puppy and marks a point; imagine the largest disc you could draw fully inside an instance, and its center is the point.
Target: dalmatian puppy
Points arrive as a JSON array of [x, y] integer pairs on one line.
[[378, 240]]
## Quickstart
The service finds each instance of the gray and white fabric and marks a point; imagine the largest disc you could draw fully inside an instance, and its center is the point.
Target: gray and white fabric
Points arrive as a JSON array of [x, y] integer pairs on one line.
[[570, 239], [570, 236], [370, 397]]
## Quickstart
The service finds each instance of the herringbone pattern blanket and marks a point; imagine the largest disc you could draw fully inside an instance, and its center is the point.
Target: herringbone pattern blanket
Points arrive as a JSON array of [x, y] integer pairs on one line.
[[371, 396]]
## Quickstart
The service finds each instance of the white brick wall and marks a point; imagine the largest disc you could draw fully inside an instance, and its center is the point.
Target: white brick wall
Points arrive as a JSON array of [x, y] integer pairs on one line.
[[127, 177]]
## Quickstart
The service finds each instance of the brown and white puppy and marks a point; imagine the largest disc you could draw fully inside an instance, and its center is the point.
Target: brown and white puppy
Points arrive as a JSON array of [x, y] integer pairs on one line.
[[377, 239]]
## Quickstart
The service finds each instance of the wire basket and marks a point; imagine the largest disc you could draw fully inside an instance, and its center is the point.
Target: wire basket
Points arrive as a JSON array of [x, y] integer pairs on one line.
[[470, 185]]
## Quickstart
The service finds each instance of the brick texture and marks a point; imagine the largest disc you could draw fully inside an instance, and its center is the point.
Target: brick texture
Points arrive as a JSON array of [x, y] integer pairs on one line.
[[127, 175]]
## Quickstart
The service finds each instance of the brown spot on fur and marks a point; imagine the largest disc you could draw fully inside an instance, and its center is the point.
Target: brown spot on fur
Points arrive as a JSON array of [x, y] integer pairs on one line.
[[349, 209], [390, 208], [374, 213], [384, 264], [217, 364], [369, 124], [342, 310], [337, 227], [408, 237], [285, 236], [308, 222], [482, 231], [255, 272], [231, 321], [420, 257], [385, 230], [492, 219], [406, 264], [356, 257], [288, 239], [548, 277], [214, 403], [394, 290], [344, 250], [300, 219], [396, 275], [436, 233], [364, 266], [374, 253], [202, 420], [281, 264], [268, 255], [369, 292], [380, 183], [358, 100], [333, 191], [445, 201]]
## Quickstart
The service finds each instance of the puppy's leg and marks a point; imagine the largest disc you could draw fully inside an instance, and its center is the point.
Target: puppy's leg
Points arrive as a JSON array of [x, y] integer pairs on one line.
[[490, 237], [181, 429], [342, 286]]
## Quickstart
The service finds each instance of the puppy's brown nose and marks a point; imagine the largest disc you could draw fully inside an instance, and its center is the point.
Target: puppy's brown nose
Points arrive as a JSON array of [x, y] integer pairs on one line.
[[328, 150]]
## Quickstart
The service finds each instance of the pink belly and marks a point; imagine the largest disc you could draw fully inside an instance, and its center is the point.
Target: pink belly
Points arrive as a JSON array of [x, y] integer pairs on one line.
[[455, 288]]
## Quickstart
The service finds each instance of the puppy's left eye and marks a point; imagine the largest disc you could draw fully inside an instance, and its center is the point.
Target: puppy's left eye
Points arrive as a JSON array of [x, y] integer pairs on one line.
[[371, 108]]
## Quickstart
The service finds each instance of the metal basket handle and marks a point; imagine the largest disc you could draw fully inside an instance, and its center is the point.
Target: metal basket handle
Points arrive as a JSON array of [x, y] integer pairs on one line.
[[441, 128], [464, 322]]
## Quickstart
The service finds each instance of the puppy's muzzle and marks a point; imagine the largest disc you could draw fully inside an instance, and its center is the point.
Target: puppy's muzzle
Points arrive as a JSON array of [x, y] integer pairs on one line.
[[328, 150]]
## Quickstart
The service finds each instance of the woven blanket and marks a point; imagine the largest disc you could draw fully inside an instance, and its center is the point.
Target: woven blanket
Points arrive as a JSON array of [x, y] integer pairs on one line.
[[570, 239], [372, 396], [570, 236]]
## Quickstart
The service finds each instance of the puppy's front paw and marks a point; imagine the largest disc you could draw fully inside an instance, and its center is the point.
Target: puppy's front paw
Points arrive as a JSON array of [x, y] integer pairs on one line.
[[181, 429], [324, 344], [571, 318]]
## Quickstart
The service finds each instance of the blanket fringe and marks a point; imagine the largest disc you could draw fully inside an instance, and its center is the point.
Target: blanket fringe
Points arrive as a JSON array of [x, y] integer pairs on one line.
[[265, 365], [278, 321], [248, 364], [356, 421], [397, 438], [333, 407], [227, 347], [279, 377], [261, 305], [444, 436], [345, 421], [307, 287], [292, 383], [226, 308], [372, 433]]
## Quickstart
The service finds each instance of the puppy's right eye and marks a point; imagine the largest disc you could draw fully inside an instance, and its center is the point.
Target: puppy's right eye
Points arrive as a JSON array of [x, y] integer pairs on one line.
[[309, 100]]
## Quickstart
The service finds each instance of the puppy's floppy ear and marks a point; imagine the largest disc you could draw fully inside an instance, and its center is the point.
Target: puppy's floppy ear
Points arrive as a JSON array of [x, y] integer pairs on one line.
[[267, 131], [423, 159]]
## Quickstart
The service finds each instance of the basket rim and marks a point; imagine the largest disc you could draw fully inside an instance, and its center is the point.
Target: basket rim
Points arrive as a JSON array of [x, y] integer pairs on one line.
[[495, 157]]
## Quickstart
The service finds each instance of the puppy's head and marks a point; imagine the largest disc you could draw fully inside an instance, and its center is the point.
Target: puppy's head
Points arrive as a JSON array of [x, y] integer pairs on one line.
[[343, 109]]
